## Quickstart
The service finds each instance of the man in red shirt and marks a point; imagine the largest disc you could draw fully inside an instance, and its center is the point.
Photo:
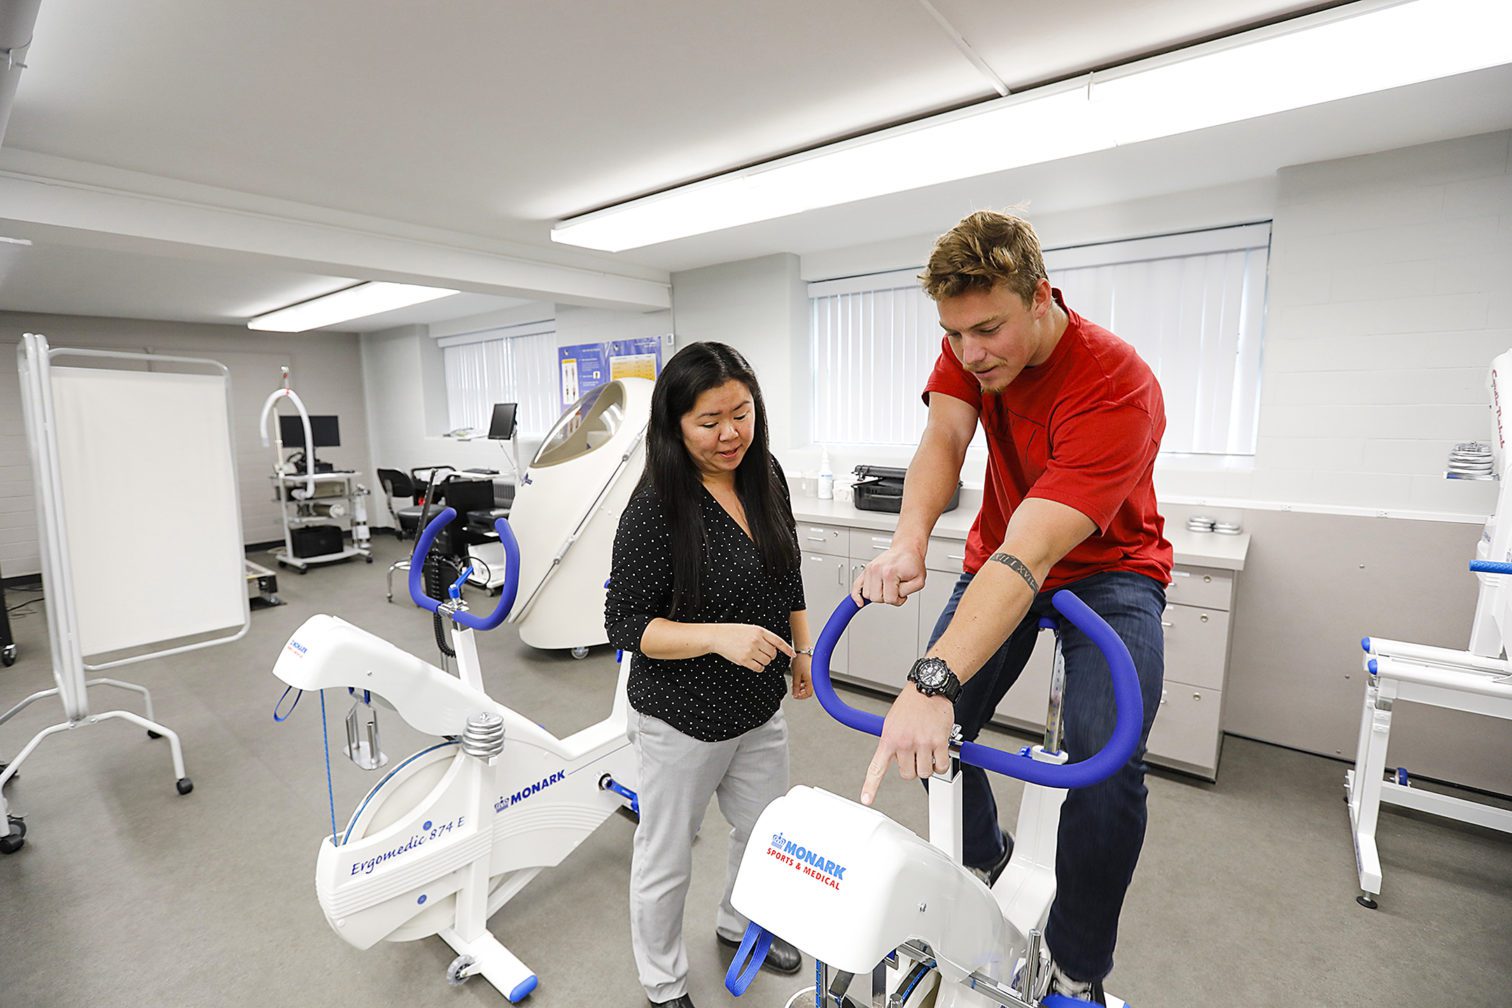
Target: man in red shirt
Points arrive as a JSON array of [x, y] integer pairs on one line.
[[1073, 420]]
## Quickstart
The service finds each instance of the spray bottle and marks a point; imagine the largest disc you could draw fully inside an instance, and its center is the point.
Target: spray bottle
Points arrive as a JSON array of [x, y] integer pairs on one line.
[[826, 477]]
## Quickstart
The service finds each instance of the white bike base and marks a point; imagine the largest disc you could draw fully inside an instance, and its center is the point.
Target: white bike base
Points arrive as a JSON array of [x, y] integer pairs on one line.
[[453, 832]]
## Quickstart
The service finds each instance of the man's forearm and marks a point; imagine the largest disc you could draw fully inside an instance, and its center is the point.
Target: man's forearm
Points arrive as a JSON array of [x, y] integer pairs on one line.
[[1040, 533], [994, 603], [932, 478]]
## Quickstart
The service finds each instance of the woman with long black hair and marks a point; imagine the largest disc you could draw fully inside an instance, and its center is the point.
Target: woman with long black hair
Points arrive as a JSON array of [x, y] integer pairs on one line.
[[707, 596]]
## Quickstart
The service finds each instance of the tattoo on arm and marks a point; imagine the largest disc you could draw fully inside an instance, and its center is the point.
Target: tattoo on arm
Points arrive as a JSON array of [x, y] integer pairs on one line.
[[1018, 567]]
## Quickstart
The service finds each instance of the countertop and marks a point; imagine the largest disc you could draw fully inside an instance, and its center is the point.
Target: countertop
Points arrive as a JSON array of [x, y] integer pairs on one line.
[[1197, 549]]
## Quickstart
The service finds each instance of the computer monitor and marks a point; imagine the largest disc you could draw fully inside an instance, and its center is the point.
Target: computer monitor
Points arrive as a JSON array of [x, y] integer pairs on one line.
[[323, 429], [502, 426]]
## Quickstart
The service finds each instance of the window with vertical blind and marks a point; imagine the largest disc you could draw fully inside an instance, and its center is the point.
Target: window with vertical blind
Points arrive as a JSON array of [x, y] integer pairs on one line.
[[1192, 305], [517, 365]]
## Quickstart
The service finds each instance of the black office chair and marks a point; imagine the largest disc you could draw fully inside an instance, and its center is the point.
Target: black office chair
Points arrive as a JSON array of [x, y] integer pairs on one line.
[[406, 518]]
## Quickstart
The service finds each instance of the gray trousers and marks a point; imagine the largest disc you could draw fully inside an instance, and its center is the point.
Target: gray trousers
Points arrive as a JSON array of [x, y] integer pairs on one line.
[[678, 776]]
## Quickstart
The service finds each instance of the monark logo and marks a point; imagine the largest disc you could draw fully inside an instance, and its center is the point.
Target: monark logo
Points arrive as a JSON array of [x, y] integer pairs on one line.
[[505, 801], [810, 862]]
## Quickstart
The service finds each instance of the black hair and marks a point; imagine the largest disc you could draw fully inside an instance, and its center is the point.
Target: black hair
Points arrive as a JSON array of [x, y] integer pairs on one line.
[[673, 476]]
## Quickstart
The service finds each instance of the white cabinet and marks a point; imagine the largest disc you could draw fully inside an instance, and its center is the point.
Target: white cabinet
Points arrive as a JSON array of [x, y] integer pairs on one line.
[[1187, 734], [826, 578], [825, 583], [883, 639], [1188, 731]]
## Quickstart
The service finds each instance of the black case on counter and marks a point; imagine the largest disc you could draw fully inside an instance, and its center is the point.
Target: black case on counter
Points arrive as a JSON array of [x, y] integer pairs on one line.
[[880, 488]]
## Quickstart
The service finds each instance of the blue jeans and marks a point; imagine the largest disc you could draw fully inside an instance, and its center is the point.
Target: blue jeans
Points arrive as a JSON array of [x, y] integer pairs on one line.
[[1102, 827]]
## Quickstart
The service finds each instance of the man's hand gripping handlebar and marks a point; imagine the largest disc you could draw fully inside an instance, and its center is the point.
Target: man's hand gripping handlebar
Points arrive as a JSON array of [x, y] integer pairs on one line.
[[1100, 765]]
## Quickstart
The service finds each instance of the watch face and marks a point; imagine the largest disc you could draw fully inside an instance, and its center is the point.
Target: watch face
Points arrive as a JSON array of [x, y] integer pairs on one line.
[[932, 672]]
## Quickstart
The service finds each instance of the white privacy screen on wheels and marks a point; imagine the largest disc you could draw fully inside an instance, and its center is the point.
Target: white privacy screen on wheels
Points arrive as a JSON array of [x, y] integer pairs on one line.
[[150, 505]]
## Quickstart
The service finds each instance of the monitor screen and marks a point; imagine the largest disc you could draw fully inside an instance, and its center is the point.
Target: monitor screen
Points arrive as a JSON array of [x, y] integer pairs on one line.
[[502, 426], [323, 428]]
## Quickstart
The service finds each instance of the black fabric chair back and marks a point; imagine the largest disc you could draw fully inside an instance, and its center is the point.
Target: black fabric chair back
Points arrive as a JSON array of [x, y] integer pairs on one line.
[[397, 484]]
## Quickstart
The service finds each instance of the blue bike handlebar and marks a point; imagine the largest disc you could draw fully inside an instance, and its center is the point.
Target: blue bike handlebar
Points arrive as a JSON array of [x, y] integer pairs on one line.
[[506, 592], [1099, 766], [1490, 567]]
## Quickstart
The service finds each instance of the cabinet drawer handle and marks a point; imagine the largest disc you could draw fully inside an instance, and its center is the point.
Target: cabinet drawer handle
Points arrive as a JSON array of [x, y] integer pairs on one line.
[[1166, 625], [817, 538], [954, 556], [875, 546], [1203, 617], [1196, 696], [1207, 578]]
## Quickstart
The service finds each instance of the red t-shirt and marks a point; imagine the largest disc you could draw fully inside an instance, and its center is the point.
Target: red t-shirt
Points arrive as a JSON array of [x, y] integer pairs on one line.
[[1083, 429]]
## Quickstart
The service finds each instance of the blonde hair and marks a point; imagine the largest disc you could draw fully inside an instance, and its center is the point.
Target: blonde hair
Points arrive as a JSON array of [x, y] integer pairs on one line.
[[982, 251]]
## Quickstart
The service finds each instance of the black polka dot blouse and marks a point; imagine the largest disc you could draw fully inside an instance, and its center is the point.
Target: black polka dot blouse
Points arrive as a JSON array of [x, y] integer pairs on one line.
[[708, 697]]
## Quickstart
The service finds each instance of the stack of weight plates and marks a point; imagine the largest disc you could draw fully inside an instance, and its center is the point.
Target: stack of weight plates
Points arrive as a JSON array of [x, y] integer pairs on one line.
[[1200, 523], [1226, 528], [1470, 460]]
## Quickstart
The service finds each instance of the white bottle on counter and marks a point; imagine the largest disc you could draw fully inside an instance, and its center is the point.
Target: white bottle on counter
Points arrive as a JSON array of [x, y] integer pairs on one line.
[[826, 478]]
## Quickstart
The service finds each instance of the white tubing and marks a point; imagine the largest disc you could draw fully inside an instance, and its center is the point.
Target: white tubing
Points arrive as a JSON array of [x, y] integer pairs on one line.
[[1462, 682], [1383, 648], [304, 415]]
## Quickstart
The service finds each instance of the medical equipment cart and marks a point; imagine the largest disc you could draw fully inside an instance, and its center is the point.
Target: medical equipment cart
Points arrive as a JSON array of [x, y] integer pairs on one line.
[[336, 504]]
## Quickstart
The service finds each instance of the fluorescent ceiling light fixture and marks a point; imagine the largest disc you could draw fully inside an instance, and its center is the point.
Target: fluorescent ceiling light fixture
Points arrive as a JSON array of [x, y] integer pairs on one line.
[[1340, 53], [345, 305]]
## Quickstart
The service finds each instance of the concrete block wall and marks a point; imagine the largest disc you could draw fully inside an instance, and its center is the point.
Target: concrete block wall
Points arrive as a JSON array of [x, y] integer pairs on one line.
[[1389, 295]]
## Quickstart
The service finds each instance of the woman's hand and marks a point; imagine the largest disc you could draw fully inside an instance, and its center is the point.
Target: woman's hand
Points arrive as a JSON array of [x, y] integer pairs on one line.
[[803, 680], [752, 647]]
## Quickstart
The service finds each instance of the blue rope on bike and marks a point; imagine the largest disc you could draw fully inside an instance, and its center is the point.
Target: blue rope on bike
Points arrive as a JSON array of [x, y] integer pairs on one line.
[[330, 791], [288, 713]]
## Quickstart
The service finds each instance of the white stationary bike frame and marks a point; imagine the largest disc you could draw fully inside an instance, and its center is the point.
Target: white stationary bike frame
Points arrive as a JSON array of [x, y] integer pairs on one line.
[[1477, 680], [441, 849], [937, 915]]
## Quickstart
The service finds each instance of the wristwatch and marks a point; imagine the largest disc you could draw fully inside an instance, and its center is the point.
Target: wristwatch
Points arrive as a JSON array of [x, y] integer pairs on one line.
[[932, 677]]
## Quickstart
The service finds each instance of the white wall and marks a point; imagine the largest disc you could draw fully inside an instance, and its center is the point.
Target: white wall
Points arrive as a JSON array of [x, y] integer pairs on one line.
[[759, 307], [1388, 298], [324, 370]]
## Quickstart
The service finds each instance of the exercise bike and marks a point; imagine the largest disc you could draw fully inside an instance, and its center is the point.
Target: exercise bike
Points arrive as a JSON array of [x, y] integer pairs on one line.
[[867, 897], [453, 832]]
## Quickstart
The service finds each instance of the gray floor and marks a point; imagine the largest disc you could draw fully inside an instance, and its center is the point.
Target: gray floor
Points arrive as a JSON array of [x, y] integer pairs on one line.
[[127, 894]]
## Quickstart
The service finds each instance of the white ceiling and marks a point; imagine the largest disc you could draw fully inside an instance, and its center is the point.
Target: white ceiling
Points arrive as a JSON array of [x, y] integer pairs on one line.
[[212, 160]]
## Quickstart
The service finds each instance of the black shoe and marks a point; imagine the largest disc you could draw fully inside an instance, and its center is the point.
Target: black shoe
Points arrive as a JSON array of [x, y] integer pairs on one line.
[[780, 958], [681, 1001], [989, 876]]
